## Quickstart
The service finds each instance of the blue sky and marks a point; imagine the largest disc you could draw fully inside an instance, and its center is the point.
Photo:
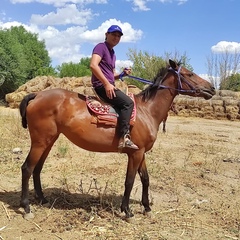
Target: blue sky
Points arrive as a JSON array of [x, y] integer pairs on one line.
[[71, 28]]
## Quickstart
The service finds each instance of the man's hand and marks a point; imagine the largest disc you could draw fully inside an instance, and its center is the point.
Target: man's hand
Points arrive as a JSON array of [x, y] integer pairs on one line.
[[127, 71], [109, 88]]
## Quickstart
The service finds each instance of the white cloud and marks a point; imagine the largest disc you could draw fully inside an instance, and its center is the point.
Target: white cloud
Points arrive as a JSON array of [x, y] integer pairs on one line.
[[140, 5], [64, 45], [121, 64], [223, 46], [96, 35], [60, 3], [206, 77], [10, 24], [179, 2], [68, 14]]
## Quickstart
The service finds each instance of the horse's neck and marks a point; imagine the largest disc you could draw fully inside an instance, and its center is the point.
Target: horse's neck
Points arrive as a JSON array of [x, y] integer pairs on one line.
[[159, 106]]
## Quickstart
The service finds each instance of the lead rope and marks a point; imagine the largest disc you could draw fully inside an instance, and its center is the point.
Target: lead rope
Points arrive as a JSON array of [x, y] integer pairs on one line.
[[179, 89]]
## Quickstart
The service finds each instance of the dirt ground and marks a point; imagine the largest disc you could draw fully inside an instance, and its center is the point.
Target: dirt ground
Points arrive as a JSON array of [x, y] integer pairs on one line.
[[194, 173]]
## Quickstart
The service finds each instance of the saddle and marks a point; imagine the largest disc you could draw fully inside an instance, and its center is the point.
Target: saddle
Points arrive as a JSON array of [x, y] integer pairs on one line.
[[104, 113]]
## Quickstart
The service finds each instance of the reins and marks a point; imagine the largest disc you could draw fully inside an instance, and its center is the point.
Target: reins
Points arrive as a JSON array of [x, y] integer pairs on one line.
[[179, 89], [136, 78]]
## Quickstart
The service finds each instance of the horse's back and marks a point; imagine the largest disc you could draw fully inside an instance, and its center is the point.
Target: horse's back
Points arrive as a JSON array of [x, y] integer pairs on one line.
[[55, 100], [57, 94], [54, 105]]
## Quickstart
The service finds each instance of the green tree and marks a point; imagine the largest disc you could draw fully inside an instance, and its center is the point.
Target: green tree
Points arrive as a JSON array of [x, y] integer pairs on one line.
[[71, 69], [34, 51], [145, 66], [47, 71], [22, 56], [231, 83]]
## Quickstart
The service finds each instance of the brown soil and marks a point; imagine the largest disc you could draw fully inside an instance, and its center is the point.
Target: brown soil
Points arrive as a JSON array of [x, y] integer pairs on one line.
[[194, 186]]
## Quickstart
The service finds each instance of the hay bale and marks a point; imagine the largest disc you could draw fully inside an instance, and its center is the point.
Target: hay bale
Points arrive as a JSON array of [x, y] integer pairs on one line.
[[216, 97], [217, 102], [133, 89], [228, 93], [218, 109], [184, 112], [220, 115], [180, 100], [86, 81], [79, 89], [230, 102], [231, 109], [15, 97], [88, 91], [202, 103], [14, 104]]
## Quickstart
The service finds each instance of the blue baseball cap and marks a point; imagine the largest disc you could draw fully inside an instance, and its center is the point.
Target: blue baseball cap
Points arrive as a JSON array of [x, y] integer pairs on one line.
[[115, 28]]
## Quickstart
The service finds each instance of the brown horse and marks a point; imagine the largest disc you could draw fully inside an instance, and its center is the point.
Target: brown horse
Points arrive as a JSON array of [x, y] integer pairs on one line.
[[49, 113]]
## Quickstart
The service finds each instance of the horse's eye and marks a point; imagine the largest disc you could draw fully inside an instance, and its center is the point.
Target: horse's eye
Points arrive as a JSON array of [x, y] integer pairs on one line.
[[190, 74]]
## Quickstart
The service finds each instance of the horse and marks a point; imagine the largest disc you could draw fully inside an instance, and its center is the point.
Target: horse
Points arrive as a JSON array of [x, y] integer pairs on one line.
[[49, 113]]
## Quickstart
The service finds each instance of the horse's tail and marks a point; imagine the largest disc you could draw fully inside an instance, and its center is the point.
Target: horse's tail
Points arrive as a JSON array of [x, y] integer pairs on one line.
[[23, 106]]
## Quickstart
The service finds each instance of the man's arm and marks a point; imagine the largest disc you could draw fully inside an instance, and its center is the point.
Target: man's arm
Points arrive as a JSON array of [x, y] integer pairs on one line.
[[94, 65]]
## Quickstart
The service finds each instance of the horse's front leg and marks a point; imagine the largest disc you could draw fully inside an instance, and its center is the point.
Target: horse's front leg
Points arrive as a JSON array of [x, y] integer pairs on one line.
[[143, 173], [134, 161]]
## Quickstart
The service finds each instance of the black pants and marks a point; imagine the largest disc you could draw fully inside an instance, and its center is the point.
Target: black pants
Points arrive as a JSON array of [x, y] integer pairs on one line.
[[123, 105]]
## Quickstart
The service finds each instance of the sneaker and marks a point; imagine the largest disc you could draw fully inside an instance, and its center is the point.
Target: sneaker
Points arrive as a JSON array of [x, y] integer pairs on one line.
[[127, 143], [130, 144]]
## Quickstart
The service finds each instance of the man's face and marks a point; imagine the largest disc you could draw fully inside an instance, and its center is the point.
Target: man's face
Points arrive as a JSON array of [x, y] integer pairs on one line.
[[113, 38]]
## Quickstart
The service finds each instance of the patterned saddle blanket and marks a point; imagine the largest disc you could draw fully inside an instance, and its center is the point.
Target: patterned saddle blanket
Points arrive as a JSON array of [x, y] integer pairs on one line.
[[104, 113]]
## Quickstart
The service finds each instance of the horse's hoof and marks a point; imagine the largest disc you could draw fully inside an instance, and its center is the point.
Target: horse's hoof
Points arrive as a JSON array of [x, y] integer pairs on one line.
[[46, 205], [147, 214], [130, 219], [28, 216]]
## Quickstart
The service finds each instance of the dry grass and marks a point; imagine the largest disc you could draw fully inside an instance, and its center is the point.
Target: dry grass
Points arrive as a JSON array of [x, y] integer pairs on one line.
[[194, 186]]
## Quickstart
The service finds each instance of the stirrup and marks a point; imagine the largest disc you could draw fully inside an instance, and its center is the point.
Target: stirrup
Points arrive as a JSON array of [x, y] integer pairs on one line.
[[127, 143]]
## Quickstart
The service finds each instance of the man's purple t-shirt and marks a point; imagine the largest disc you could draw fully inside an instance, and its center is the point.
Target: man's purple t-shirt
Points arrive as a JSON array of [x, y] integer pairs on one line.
[[107, 63]]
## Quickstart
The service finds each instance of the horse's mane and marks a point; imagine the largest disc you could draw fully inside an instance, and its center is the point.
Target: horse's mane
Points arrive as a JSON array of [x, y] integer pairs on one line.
[[151, 90]]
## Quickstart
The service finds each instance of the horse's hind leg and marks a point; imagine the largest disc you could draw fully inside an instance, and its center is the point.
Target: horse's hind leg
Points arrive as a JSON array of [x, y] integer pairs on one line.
[[35, 158], [27, 170], [36, 174], [143, 173]]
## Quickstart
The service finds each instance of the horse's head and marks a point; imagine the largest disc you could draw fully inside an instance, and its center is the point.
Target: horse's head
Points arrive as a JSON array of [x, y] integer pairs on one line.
[[189, 83]]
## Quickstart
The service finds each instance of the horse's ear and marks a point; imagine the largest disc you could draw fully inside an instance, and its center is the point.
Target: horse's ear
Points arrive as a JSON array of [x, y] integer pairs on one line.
[[173, 64]]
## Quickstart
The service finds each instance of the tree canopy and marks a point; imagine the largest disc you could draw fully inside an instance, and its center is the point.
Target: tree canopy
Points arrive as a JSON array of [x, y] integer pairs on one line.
[[80, 69], [231, 83], [22, 57]]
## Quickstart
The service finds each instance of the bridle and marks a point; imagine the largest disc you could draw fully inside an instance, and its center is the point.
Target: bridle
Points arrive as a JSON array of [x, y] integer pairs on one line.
[[180, 78]]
